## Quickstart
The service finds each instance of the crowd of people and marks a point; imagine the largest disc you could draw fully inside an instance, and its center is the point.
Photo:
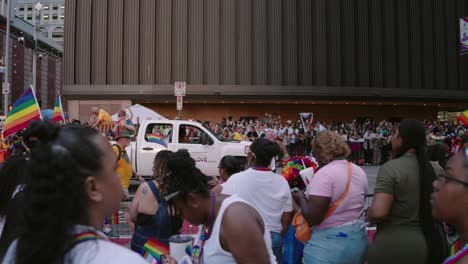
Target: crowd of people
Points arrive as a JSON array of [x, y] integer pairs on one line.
[[67, 180], [369, 141]]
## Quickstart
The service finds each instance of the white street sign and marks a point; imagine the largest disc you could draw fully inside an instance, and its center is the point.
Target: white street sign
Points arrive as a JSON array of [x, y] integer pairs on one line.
[[179, 88], [6, 88], [180, 102]]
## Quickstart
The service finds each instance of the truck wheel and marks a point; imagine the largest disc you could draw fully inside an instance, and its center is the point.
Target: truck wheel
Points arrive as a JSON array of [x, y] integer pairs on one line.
[[243, 162]]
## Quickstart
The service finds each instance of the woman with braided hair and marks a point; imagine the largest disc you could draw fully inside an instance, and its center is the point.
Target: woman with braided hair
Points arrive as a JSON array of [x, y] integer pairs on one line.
[[233, 231], [150, 212], [406, 230], [70, 187]]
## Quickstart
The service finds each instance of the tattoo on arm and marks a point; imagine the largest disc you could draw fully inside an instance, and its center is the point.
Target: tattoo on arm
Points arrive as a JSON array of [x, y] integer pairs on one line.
[[145, 190]]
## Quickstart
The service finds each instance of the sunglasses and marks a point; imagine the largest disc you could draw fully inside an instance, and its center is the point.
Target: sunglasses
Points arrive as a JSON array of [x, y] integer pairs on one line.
[[442, 178], [171, 196]]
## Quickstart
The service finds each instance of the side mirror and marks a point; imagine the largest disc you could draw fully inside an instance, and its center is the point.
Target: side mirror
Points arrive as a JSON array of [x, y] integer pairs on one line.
[[206, 140], [210, 141]]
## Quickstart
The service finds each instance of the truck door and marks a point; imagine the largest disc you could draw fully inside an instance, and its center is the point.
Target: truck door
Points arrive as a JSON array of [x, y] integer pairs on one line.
[[201, 146], [157, 137]]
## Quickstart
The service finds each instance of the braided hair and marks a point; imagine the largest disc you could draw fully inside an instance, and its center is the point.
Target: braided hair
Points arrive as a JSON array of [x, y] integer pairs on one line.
[[413, 135], [160, 169], [55, 198], [184, 177]]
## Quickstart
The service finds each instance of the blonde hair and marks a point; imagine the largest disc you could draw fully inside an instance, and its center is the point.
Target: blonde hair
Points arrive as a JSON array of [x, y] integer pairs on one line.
[[330, 145]]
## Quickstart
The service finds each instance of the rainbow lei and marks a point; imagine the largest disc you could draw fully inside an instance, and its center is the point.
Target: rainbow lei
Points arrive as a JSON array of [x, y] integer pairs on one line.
[[293, 166], [459, 255]]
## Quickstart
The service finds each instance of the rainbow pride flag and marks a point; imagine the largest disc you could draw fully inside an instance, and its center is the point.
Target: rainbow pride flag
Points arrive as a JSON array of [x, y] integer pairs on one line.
[[24, 110], [157, 138], [115, 218], [154, 249], [57, 116], [463, 118]]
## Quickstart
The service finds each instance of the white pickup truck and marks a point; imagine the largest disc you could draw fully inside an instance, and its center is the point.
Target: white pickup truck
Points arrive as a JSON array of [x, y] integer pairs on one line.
[[204, 147]]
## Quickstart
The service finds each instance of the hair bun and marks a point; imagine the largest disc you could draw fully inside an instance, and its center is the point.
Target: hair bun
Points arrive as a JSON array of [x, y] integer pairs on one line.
[[41, 131], [180, 161]]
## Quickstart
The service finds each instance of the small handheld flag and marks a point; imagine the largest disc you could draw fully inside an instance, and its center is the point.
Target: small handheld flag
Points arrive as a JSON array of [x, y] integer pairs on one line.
[[155, 249], [57, 116], [157, 138], [24, 110]]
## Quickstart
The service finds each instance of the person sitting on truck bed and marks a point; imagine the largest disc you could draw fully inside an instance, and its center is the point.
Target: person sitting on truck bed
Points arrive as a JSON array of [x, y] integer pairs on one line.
[[98, 116]]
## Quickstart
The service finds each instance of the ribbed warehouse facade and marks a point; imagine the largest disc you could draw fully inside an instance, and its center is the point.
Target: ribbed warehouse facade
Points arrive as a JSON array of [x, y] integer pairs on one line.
[[265, 49]]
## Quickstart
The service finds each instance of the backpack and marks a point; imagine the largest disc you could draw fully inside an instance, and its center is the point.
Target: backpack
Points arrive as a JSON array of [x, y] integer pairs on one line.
[[120, 151]]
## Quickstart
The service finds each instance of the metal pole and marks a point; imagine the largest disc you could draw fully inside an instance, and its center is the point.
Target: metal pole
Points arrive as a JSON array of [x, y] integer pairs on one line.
[[7, 58], [34, 67]]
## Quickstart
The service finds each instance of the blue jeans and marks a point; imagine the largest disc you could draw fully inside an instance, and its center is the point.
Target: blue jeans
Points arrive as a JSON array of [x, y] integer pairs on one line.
[[293, 249], [277, 246], [337, 245]]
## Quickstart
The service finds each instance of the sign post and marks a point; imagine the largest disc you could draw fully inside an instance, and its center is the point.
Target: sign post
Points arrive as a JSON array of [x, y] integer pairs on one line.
[[179, 92], [6, 88], [463, 35]]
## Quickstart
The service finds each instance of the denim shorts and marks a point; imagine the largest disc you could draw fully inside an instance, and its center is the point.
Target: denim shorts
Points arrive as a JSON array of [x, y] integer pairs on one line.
[[337, 245], [277, 242]]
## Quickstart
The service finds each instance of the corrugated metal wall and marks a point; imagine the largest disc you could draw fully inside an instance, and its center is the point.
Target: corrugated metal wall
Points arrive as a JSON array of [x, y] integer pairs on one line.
[[341, 43]]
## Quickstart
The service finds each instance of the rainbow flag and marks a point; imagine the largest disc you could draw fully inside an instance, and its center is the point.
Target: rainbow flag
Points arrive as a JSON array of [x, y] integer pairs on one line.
[[157, 138], [115, 218], [57, 116], [155, 249], [24, 110], [463, 118]]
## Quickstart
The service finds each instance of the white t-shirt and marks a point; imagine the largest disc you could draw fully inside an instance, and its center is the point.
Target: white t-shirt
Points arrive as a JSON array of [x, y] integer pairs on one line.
[[268, 192], [213, 252], [91, 251]]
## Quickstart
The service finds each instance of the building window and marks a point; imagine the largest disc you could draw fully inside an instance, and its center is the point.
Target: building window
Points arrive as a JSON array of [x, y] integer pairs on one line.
[[54, 17], [46, 17], [62, 17], [55, 7], [29, 17], [57, 34], [21, 9], [30, 8], [46, 7]]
